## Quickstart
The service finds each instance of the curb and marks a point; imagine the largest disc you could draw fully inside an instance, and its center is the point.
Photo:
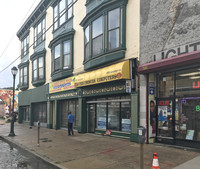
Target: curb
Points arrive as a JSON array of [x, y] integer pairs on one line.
[[22, 147]]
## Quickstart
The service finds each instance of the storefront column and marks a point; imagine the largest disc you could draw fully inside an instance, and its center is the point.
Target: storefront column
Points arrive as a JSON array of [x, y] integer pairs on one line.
[[49, 116], [20, 115], [82, 114], [31, 116], [57, 121], [134, 116]]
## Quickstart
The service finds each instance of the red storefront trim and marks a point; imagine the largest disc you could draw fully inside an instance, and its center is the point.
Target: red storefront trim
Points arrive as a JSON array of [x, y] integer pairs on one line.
[[173, 62]]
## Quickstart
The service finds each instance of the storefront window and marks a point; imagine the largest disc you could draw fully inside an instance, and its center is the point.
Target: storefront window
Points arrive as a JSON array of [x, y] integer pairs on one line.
[[166, 85], [165, 125], [101, 116], [40, 112], [66, 107], [125, 116], [187, 116], [114, 116], [188, 82]]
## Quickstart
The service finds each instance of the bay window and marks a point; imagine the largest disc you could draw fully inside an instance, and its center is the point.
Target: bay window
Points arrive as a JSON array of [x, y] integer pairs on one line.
[[62, 12], [104, 33]]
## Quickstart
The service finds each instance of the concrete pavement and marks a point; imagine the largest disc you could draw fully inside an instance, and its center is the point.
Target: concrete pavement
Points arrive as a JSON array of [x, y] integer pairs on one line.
[[90, 151]]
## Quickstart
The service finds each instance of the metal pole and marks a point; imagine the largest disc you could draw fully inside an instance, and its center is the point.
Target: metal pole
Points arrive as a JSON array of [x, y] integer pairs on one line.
[[38, 134], [12, 120], [141, 157]]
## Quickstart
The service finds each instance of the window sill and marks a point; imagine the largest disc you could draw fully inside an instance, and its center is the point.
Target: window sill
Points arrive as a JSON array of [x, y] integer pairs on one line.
[[37, 83], [61, 74], [24, 87], [104, 58]]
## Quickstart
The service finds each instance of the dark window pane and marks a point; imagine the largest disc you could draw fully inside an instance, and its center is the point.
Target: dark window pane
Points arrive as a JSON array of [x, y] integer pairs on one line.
[[114, 39], [87, 51], [97, 45], [57, 64], [35, 75]]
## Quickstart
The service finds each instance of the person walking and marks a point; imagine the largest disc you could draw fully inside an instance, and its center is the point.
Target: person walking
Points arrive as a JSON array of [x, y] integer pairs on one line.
[[70, 123]]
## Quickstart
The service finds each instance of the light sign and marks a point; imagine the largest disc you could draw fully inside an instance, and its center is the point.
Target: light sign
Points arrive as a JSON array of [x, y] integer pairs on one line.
[[197, 108], [196, 85]]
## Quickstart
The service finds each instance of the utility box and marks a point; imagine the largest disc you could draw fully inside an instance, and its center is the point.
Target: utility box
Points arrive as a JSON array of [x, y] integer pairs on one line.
[[141, 134]]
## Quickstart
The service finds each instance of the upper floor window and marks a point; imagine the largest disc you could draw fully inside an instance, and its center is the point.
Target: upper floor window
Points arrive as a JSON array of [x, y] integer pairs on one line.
[[62, 56], [103, 38], [113, 28], [25, 46], [38, 69], [62, 12], [97, 36], [39, 32], [23, 78]]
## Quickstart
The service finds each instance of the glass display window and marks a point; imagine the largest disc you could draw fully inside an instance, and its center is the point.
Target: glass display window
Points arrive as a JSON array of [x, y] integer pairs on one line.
[[188, 82], [114, 116], [166, 85], [187, 117]]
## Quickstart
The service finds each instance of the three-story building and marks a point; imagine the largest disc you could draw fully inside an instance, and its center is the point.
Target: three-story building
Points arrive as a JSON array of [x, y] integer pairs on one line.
[[81, 56]]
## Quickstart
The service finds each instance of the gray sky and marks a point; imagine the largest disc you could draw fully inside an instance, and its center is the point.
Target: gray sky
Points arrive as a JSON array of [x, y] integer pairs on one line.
[[12, 14]]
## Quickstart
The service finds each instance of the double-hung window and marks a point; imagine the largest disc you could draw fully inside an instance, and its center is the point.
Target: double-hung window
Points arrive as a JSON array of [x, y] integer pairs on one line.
[[25, 46], [23, 78], [62, 12], [39, 32], [113, 29], [66, 54], [38, 69], [62, 56]]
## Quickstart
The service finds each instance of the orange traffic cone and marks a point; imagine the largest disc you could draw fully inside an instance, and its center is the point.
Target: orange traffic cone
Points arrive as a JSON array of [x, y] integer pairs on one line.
[[155, 163]]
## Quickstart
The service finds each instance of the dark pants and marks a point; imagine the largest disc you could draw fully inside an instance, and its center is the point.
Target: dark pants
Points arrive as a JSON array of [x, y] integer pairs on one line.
[[70, 129]]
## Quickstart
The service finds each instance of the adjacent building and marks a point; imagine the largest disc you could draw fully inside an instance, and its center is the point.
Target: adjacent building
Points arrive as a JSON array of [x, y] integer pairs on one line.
[[170, 72], [78, 56]]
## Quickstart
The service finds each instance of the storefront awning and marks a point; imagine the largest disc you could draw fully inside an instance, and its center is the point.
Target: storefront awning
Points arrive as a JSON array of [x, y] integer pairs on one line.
[[110, 73], [169, 63]]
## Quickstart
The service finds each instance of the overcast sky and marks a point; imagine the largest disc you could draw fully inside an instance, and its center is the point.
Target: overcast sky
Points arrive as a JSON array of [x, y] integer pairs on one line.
[[12, 14]]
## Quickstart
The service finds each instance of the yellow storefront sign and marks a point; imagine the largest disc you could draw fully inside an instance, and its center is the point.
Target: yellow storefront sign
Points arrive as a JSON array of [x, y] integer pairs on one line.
[[62, 85], [114, 72]]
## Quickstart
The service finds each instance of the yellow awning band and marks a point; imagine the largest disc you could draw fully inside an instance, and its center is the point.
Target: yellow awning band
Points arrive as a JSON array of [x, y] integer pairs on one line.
[[110, 73]]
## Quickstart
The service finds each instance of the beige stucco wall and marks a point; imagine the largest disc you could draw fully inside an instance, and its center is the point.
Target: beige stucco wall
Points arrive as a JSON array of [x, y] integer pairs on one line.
[[79, 13], [31, 51], [133, 29], [49, 37]]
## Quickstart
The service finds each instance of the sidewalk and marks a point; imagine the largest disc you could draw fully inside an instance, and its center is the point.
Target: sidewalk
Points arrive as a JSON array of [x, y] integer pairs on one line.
[[90, 151]]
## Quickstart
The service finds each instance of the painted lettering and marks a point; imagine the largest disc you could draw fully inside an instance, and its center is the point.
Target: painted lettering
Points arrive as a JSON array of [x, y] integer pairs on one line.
[[196, 85]]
